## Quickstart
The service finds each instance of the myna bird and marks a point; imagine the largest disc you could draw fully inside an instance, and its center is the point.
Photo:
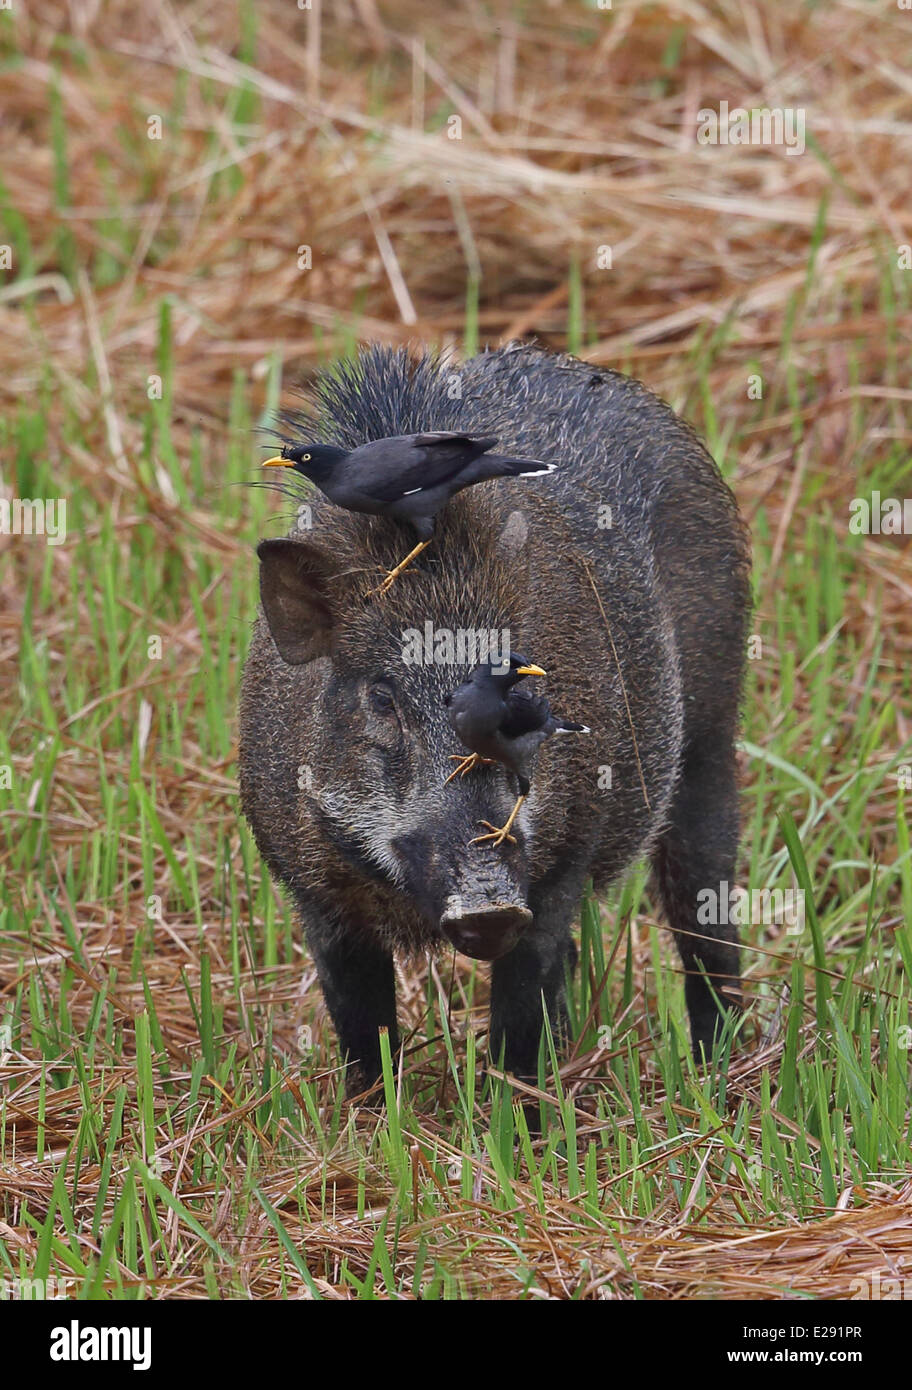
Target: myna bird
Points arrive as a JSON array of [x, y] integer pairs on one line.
[[409, 476], [501, 724]]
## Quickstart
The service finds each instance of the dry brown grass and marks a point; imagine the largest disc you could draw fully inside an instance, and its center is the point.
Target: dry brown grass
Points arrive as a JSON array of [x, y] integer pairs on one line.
[[577, 132]]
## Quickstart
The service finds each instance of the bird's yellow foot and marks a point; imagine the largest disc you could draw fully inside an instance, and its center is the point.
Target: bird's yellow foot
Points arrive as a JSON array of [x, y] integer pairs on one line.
[[497, 836], [388, 582], [394, 574], [466, 765]]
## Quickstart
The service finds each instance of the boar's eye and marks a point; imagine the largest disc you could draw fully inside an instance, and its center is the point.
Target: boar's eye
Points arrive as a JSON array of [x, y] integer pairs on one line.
[[381, 699]]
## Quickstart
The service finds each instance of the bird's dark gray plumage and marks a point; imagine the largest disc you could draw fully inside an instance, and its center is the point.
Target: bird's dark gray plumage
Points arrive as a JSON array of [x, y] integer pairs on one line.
[[408, 476], [501, 724]]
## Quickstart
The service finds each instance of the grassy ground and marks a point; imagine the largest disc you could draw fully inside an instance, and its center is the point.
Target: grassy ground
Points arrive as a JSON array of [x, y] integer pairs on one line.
[[171, 1121]]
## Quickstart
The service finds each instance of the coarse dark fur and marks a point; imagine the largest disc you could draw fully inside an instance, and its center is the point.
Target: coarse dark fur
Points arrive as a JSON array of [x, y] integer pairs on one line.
[[625, 573]]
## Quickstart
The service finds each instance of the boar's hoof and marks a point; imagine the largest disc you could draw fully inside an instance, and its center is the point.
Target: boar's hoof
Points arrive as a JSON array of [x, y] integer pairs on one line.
[[488, 933]]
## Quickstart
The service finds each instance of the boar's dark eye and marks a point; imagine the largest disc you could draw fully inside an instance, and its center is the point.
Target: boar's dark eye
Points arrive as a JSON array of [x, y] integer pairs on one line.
[[381, 700]]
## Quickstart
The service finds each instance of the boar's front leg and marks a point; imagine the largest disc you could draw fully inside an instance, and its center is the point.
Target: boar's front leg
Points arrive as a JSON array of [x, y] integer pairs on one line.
[[533, 970], [359, 987]]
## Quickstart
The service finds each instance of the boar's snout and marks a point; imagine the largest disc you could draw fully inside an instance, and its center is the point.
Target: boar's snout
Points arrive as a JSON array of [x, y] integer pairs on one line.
[[476, 897], [486, 932]]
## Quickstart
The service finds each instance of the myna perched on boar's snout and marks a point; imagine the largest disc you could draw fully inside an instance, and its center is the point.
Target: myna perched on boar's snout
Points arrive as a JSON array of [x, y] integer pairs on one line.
[[409, 476], [503, 725]]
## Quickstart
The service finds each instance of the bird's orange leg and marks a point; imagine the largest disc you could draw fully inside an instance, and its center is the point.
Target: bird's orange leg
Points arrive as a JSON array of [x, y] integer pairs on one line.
[[497, 836], [466, 764], [394, 574]]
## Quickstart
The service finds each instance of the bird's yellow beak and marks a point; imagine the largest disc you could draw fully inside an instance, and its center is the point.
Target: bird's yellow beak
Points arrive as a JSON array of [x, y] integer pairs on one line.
[[278, 462], [530, 671]]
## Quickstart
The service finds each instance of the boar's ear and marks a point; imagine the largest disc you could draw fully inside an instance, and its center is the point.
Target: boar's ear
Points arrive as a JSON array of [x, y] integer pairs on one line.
[[294, 590]]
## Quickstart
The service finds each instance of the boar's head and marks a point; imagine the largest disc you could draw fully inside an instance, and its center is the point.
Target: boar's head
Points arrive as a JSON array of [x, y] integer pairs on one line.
[[367, 720]]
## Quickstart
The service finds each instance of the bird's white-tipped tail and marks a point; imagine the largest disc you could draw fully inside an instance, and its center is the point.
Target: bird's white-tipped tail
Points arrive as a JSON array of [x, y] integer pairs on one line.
[[538, 472], [568, 728]]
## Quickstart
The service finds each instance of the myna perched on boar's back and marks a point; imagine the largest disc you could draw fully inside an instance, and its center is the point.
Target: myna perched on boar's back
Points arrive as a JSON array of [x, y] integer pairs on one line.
[[408, 476], [501, 724]]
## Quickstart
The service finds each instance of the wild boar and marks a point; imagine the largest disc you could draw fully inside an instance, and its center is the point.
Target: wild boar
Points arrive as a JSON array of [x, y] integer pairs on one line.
[[625, 573]]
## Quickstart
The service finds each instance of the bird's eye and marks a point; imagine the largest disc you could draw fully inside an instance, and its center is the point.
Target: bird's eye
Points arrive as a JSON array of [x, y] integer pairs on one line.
[[381, 700], [305, 458]]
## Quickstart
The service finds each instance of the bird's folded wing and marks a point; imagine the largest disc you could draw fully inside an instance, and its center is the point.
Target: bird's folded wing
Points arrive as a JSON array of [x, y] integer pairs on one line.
[[430, 459], [525, 713], [444, 436]]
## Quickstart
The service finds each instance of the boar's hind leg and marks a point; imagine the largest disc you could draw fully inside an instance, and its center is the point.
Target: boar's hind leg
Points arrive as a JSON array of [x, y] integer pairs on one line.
[[359, 986], [697, 852]]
